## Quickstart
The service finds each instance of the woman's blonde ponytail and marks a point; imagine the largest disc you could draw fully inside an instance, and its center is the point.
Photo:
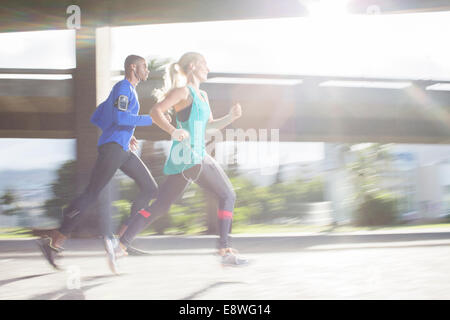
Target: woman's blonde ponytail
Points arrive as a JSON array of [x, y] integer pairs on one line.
[[176, 75]]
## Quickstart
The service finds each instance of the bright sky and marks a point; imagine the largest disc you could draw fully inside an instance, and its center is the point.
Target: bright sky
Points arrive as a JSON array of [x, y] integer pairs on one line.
[[38, 49], [24, 154], [393, 46]]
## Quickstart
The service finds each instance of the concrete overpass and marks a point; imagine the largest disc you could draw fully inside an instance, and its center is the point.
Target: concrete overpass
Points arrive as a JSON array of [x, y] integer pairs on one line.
[[304, 111], [304, 108]]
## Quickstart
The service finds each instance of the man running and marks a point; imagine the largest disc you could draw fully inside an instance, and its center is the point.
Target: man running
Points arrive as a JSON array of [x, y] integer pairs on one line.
[[117, 117]]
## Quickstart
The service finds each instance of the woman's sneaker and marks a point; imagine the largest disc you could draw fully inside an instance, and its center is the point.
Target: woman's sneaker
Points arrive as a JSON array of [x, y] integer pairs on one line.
[[231, 258]]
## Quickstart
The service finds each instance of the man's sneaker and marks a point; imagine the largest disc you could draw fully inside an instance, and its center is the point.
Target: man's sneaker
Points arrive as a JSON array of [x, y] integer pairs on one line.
[[110, 247], [120, 250], [49, 251], [132, 251]]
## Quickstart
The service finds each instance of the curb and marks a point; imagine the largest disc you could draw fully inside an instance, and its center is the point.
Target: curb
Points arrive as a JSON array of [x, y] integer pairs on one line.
[[249, 242]]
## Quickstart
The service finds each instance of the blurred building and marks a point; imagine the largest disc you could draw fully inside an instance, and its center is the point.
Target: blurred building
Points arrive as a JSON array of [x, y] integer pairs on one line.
[[423, 174], [417, 175]]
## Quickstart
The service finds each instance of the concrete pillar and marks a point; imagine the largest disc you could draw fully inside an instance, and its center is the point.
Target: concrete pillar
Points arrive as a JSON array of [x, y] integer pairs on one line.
[[335, 189], [91, 85], [103, 62]]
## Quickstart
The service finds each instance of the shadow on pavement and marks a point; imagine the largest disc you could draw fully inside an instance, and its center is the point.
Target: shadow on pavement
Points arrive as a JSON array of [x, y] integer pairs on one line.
[[4, 282], [214, 285], [66, 294]]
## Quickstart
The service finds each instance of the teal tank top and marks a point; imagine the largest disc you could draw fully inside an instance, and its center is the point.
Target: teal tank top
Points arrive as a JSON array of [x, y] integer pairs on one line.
[[186, 154]]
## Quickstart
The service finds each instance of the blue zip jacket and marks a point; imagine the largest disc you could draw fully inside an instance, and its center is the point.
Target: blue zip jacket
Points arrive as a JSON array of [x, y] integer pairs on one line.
[[118, 115]]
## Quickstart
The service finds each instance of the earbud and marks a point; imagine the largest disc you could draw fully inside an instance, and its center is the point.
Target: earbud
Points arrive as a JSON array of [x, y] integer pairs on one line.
[[135, 74]]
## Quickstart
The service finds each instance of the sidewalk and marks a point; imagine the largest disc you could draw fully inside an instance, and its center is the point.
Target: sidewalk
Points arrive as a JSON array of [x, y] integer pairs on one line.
[[357, 265], [254, 243]]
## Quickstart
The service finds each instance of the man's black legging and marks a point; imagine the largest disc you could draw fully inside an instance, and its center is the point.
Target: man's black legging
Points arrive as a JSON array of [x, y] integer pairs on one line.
[[111, 157], [209, 176]]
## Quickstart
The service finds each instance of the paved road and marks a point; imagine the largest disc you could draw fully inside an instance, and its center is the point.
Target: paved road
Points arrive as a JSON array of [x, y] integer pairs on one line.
[[369, 265]]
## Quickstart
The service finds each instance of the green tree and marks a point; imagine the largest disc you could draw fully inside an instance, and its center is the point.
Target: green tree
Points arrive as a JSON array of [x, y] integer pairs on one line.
[[9, 197], [251, 201], [154, 158], [157, 64], [9, 202], [375, 204], [63, 189], [288, 197]]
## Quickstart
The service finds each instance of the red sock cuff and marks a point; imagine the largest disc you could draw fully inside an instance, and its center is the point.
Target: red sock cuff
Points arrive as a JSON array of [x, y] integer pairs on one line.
[[223, 214], [144, 213]]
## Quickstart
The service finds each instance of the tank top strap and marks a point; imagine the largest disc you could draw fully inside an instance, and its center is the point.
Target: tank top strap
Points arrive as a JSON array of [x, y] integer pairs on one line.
[[192, 91], [195, 95]]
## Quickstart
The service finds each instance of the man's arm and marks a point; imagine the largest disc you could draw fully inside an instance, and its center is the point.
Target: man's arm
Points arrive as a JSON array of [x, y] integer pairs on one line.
[[121, 113], [96, 117], [123, 117]]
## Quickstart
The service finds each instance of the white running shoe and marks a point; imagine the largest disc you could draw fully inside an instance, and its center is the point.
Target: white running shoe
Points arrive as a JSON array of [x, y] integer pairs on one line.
[[110, 247]]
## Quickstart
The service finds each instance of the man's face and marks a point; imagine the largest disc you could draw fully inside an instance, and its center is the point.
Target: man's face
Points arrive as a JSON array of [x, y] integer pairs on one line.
[[142, 70]]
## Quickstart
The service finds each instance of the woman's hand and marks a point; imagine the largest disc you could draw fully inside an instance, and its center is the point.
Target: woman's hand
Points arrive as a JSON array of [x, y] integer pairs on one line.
[[180, 135], [236, 111], [160, 109]]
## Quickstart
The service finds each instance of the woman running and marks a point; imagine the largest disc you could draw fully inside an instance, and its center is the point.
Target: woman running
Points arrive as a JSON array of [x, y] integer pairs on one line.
[[188, 160]]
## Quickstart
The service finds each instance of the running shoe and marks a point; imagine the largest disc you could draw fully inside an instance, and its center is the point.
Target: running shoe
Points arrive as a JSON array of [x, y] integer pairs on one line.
[[119, 250], [231, 258], [132, 251], [110, 247], [49, 251]]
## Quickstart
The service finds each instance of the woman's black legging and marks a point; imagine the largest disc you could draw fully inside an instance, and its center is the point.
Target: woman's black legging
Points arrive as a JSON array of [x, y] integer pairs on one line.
[[209, 176], [111, 157]]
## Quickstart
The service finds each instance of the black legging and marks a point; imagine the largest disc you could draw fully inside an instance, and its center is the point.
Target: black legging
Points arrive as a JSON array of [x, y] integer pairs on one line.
[[211, 178], [111, 157]]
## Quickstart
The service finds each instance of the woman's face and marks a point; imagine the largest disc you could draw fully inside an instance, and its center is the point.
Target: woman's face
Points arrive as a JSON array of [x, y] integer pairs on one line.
[[200, 69]]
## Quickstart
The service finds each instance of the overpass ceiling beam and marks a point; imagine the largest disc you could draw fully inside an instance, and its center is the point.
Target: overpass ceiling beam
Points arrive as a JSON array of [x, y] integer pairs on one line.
[[29, 15], [397, 6], [37, 71]]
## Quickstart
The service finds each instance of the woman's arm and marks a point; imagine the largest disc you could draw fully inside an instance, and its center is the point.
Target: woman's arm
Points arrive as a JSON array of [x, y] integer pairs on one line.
[[173, 98], [219, 124]]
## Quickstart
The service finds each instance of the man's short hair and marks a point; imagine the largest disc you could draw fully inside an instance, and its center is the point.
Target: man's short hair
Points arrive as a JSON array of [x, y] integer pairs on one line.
[[132, 59]]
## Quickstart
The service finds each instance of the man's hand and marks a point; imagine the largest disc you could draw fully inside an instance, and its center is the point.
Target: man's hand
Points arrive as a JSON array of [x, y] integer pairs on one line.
[[236, 111], [168, 117], [133, 144]]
